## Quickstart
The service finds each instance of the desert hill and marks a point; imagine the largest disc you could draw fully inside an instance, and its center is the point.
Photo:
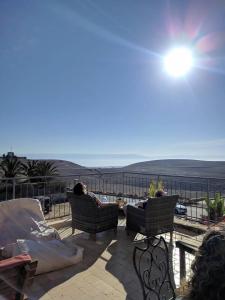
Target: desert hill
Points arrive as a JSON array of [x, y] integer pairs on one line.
[[67, 167], [184, 167]]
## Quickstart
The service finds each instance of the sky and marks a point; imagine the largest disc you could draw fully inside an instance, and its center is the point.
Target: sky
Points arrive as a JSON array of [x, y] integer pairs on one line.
[[87, 77]]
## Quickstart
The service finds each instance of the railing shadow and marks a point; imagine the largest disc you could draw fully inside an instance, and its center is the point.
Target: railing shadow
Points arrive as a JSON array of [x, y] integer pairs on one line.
[[120, 264]]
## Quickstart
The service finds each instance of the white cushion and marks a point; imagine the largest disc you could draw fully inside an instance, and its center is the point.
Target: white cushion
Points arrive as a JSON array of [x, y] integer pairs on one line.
[[51, 255]]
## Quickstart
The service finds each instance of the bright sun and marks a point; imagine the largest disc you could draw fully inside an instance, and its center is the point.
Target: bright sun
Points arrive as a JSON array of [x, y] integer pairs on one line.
[[178, 61]]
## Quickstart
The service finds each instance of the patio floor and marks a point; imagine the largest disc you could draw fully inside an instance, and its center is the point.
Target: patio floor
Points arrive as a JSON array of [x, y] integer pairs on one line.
[[106, 271]]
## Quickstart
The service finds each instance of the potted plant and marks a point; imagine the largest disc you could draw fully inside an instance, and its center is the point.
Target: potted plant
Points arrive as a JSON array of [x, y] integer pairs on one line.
[[155, 186], [215, 207]]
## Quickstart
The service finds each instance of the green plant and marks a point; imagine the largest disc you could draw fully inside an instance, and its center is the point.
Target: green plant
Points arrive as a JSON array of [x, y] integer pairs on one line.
[[11, 166], [46, 168], [38, 168], [215, 207], [30, 168], [155, 186]]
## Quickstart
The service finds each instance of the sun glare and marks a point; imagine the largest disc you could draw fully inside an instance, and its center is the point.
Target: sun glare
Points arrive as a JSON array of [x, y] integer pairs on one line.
[[178, 62]]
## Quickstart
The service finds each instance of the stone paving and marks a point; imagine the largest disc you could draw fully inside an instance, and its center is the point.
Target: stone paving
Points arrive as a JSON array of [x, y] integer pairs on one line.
[[106, 271]]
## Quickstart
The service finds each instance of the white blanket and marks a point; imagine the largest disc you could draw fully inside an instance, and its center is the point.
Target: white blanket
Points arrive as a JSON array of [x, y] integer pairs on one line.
[[23, 219], [23, 229]]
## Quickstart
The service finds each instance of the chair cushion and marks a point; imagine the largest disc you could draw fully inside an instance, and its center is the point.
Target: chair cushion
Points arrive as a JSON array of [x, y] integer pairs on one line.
[[51, 255]]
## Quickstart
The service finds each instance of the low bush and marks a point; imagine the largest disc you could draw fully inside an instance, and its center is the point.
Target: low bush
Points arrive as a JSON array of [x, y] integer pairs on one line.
[[215, 207]]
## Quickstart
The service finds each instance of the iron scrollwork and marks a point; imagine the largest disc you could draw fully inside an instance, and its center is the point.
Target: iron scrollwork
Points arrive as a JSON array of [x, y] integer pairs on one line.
[[151, 263]]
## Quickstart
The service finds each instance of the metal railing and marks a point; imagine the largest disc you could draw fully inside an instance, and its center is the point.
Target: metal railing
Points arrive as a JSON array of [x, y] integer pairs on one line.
[[132, 186]]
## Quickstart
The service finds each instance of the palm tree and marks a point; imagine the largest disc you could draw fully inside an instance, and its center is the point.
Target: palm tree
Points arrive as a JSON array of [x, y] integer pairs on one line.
[[46, 168], [11, 166], [30, 168]]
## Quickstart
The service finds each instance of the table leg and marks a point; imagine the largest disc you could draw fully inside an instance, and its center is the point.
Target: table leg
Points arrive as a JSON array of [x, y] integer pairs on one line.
[[182, 265]]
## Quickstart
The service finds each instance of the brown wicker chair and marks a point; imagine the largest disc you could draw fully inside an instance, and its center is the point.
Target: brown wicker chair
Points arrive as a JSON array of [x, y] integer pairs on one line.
[[16, 274], [155, 219], [89, 217]]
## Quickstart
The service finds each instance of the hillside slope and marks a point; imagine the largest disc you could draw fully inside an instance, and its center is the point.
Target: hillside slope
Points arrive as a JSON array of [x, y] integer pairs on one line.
[[67, 167], [183, 167]]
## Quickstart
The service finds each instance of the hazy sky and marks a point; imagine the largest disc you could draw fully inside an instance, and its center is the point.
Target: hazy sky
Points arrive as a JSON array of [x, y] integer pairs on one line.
[[82, 76]]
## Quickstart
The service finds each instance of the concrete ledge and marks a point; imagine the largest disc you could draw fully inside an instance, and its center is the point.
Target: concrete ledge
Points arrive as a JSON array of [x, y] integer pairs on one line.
[[191, 226]]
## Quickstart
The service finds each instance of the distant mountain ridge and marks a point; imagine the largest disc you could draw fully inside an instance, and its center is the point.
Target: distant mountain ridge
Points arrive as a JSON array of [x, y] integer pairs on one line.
[[176, 167], [184, 167], [65, 167]]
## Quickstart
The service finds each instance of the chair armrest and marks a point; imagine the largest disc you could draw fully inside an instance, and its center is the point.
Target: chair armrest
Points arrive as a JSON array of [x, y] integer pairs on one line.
[[135, 211], [108, 209], [115, 205], [15, 261]]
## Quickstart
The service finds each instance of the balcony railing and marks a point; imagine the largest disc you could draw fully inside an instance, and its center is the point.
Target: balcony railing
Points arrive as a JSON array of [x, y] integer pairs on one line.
[[131, 186]]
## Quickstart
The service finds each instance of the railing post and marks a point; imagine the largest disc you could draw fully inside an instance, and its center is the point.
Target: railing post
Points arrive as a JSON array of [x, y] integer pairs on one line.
[[101, 180], [157, 183], [123, 182], [209, 204], [14, 188], [75, 181], [6, 190], [44, 187]]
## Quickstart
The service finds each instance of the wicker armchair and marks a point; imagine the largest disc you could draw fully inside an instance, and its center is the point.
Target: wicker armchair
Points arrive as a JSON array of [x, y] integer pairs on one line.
[[155, 219], [16, 275], [89, 217]]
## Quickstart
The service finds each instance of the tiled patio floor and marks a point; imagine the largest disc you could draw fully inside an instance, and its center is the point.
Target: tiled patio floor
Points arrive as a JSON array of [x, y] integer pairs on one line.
[[106, 271]]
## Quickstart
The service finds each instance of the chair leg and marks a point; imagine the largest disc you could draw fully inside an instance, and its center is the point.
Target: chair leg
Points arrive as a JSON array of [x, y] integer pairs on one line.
[[115, 230], [127, 231], [73, 230], [171, 237], [93, 236]]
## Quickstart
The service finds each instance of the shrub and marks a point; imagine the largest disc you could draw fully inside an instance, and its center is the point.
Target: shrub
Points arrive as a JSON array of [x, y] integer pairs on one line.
[[155, 186], [215, 207]]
